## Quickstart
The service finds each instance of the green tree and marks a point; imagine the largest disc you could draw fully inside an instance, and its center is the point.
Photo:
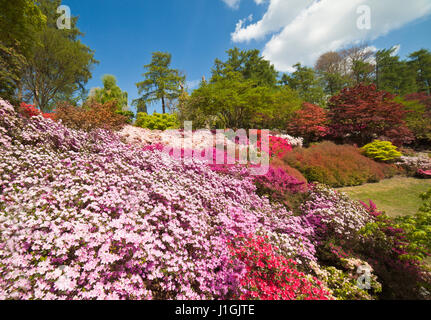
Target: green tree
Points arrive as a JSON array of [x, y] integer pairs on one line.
[[305, 81], [235, 102], [161, 82], [420, 61], [57, 68], [394, 75], [249, 64], [11, 65], [19, 21], [59, 64], [362, 72], [110, 91], [329, 68]]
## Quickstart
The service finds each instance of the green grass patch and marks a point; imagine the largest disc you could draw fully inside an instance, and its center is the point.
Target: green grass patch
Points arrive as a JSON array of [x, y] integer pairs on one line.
[[397, 196]]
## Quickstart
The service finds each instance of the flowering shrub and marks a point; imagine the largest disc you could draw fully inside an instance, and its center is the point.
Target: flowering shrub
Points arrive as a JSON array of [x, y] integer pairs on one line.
[[28, 111], [383, 151], [334, 214], [293, 141], [337, 165], [85, 216], [270, 276], [278, 147], [202, 140], [414, 165], [278, 184]]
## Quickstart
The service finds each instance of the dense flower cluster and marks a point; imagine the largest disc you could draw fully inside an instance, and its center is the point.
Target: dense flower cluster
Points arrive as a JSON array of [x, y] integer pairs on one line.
[[416, 165], [278, 183], [293, 141], [85, 216], [270, 276], [334, 214], [278, 147], [29, 111], [200, 140]]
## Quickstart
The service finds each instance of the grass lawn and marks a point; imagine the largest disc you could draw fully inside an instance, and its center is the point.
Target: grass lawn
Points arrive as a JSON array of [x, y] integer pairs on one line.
[[396, 196]]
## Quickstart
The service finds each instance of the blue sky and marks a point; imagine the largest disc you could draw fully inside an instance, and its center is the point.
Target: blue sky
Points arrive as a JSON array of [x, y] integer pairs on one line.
[[125, 33]]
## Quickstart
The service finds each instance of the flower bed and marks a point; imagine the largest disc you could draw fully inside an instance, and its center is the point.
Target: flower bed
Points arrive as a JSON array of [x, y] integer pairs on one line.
[[85, 216]]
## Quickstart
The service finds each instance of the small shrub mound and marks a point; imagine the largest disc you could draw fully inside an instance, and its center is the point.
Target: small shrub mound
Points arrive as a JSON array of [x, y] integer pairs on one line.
[[157, 121], [337, 165], [383, 151], [92, 116]]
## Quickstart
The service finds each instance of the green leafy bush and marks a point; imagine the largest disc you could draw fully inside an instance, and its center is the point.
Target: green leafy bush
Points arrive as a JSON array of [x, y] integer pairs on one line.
[[157, 121], [383, 151], [418, 227], [128, 114], [337, 165]]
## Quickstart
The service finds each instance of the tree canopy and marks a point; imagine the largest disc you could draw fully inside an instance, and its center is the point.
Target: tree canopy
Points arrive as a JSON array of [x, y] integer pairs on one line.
[[161, 82], [249, 64], [110, 92]]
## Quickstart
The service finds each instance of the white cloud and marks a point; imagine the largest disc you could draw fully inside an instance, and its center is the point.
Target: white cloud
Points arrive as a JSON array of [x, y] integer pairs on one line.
[[278, 15], [235, 3], [232, 3], [397, 49], [304, 29], [193, 84]]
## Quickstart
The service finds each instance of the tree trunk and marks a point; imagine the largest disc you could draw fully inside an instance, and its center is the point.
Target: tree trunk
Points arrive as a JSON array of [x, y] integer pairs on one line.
[[163, 105], [20, 91]]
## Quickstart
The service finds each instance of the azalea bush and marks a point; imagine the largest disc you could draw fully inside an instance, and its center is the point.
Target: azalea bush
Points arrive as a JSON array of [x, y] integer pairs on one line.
[[383, 151], [415, 165], [343, 282], [278, 184], [337, 165], [334, 214], [29, 110], [278, 147], [270, 276], [96, 214]]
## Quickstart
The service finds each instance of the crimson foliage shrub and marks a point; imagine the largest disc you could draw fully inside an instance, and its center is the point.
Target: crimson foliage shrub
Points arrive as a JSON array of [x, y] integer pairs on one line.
[[337, 165], [92, 116]]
